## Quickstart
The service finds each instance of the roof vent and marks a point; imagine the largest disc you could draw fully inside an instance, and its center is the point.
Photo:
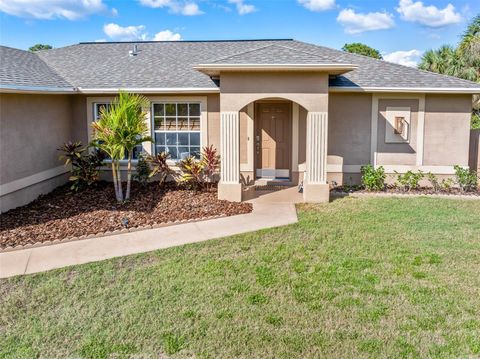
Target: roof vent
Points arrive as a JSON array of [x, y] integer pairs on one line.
[[133, 52]]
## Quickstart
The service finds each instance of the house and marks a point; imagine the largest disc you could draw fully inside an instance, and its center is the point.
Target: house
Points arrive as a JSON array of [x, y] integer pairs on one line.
[[280, 109]]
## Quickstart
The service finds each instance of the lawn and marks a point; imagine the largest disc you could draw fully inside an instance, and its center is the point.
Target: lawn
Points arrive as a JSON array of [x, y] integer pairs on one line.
[[378, 277]]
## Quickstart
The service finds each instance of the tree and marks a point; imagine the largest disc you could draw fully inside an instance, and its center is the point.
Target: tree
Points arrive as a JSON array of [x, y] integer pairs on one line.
[[119, 130], [462, 61], [38, 47], [362, 49]]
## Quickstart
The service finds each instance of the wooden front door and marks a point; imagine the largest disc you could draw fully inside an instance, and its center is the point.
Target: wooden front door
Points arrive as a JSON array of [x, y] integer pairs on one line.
[[273, 140]]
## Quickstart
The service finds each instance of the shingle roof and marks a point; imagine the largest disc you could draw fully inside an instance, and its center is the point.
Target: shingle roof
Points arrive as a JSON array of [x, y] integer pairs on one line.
[[170, 65], [25, 69], [275, 54]]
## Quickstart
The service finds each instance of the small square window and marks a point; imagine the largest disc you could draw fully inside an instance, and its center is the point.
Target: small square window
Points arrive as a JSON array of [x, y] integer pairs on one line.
[[171, 139], [170, 124], [170, 109], [194, 123], [159, 123], [194, 109], [194, 139], [182, 124], [159, 109], [160, 138], [182, 109]]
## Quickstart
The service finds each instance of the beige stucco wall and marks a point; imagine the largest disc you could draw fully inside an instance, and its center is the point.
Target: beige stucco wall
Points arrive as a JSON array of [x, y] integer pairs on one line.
[[447, 129], [308, 89], [349, 128], [32, 127], [397, 153]]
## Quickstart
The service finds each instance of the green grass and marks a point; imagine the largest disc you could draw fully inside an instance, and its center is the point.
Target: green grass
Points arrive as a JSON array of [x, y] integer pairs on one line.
[[354, 278]]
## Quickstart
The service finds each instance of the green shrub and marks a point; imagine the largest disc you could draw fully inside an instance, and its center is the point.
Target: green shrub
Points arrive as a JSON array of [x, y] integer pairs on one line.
[[466, 179], [200, 174], [142, 169], [433, 181], [85, 168], [447, 184], [373, 179], [410, 180]]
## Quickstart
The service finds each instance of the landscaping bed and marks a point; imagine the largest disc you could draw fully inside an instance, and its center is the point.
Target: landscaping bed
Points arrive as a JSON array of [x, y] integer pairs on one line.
[[63, 214], [413, 191]]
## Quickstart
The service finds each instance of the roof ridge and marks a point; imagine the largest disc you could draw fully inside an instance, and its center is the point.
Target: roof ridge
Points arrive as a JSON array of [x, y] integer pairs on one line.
[[241, 53], [51, 68], [179, 41], [300, 50]]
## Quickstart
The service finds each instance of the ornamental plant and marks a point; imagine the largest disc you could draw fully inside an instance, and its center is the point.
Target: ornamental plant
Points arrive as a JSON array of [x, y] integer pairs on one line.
[[200, 174], [433, 181], [373, 179], [85, 168], [142, 170], [121, 127], [409, 180], [466, 179], [160, 167]]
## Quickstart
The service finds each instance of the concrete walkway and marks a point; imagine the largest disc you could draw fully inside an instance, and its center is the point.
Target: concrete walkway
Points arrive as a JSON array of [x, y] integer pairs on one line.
[[266, 214]]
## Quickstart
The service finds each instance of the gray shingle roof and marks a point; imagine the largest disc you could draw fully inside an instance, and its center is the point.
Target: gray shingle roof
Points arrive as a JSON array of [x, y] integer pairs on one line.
[[275, 54], [170, 65], [25, 69]]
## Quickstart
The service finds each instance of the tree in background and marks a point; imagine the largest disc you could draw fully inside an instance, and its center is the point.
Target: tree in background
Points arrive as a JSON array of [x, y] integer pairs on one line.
[[38, 47], [362, 49], [462, 61]]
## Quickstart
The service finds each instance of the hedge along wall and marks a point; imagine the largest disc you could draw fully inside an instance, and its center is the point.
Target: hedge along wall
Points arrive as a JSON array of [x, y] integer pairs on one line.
[[474, 157]]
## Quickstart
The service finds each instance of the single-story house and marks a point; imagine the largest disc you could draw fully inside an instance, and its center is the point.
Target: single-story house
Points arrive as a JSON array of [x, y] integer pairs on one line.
[[280, 109]]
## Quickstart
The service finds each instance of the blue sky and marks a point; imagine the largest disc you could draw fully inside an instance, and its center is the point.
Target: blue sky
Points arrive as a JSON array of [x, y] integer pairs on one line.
[[400, 29]]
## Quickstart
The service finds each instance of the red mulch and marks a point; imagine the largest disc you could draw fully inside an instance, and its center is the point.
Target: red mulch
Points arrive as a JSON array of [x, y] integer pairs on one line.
[[62, 214]]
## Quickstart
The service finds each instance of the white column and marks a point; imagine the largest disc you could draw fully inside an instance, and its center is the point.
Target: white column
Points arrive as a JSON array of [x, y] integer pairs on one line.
[[315, 187], [230, 187], [317, 133], [230, 147]]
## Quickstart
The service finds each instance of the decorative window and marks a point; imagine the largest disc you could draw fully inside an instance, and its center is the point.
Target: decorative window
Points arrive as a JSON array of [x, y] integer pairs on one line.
[[97, 110], [397, 129], [176, 127]]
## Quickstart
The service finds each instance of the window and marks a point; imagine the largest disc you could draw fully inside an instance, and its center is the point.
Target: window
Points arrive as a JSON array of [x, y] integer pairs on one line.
[[97, 110], [177, 129]]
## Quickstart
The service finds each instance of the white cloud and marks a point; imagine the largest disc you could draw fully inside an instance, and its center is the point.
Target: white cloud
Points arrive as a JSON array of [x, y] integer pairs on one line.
[[356, 23], [243, 8], [167, 35], [101, 40], [127, 33], [132, 33], [317, 5], [188, 8], [52, 9], [406, 58], [430, 16]]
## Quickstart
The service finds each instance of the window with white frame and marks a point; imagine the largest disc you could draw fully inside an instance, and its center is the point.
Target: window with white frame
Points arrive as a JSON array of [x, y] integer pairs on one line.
[[98, 107], [176, 127]]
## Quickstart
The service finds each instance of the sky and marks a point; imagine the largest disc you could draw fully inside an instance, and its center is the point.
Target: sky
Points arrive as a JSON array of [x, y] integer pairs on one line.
[[400, 29]]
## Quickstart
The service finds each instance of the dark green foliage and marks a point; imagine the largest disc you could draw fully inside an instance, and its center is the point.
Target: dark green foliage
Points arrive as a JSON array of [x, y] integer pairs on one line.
[[433, 181], [142, 169], [410, 180], [84, 167], [373, 179], [465, 178], [362, 49], [38, 47]]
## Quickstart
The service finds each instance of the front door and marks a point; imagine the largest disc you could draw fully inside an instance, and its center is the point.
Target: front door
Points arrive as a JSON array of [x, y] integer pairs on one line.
[[272, 140]]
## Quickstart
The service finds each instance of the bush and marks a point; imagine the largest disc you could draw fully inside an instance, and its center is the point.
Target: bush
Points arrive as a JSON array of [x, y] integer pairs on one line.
[[466, 179], [84, 168], [373, 179], [410, 180], [159, 165], [433, 181], [200, 174], [142, 169], [447, 184]]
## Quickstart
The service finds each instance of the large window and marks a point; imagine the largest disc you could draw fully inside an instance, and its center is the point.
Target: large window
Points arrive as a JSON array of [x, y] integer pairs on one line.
[[97, 108], [177, 129]]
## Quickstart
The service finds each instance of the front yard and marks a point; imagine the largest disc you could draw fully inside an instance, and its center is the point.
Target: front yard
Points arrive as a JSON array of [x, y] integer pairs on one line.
[[375, 277]]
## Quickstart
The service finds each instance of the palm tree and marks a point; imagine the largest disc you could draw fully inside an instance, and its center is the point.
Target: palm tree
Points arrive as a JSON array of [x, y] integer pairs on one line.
[[119, 130]]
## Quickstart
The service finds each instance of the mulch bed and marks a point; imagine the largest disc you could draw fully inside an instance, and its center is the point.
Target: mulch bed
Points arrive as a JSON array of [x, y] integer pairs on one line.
[[62, 214], [419, 191]]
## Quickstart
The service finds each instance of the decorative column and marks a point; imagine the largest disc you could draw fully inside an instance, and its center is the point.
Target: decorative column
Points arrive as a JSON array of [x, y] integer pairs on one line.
[[315, 187], [230, 187]]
